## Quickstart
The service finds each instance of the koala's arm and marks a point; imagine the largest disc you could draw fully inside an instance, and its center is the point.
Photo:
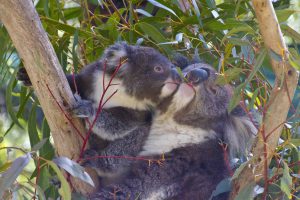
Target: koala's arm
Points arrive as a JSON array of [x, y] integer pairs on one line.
[[115, 157]]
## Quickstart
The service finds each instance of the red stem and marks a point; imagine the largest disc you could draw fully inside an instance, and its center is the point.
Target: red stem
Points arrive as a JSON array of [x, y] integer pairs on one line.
[[226, 158], [100, 105], [123, 157], [37, 176], [65, 114]]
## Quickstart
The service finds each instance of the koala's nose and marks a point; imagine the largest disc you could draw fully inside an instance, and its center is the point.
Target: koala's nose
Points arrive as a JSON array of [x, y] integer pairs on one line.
[[175, 75], [197, 76]]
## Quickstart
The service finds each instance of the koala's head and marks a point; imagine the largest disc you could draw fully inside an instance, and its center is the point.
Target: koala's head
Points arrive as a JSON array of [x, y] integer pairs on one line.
[[145, 74], [201, 102]]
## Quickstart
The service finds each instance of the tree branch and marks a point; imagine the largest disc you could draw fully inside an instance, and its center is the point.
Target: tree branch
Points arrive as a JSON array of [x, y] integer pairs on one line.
[[279, 101], [37, 54]]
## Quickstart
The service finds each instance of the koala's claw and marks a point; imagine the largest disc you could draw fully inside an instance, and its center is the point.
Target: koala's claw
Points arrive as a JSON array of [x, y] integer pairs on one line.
[[23, 76], [82, 108]]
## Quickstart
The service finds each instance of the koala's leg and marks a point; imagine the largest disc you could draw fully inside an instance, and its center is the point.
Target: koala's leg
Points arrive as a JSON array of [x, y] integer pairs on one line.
[[115, 158]]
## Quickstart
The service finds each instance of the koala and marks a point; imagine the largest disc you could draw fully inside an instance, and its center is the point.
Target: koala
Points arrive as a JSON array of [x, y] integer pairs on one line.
[[144, 78], [187, 129]]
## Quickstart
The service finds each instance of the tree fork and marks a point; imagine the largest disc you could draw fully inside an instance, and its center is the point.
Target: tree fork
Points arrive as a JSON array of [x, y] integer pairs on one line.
[[37, 54], [279, 101]]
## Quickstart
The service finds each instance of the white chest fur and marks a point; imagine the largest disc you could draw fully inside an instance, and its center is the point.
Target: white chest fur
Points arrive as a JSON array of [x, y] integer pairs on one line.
[[166, 135], [120, 98]]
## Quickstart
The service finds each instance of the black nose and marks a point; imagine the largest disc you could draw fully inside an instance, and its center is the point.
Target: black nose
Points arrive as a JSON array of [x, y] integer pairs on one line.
[[197, 76], [175, 76]]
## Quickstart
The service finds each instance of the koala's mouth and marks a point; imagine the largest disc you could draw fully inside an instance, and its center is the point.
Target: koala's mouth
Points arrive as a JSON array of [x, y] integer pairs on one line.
[[168, 89]]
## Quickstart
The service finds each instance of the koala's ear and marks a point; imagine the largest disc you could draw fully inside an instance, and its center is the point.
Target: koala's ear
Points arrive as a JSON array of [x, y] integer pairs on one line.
[[115, 55], [180, 60], [239, 133]]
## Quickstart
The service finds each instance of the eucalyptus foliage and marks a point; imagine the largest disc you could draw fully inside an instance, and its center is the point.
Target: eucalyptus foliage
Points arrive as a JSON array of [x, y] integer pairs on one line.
[[225, 34]]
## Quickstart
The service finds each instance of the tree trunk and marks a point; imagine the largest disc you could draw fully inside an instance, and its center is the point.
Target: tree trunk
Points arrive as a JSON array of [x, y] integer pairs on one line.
[[279, 102], [37, 54]]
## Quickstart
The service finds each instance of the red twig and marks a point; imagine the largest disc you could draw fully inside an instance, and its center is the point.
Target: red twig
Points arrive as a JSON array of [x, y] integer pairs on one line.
[[37, 177], [265, 153], [65, 114], [226, 158], [125, 157], [100, 105]]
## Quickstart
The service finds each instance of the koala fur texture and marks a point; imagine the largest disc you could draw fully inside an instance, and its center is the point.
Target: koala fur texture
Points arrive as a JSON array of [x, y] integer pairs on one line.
[[187, 129], [144, 79]]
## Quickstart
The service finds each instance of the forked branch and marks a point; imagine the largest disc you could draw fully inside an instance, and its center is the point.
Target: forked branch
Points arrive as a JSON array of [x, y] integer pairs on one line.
[[279, 102]]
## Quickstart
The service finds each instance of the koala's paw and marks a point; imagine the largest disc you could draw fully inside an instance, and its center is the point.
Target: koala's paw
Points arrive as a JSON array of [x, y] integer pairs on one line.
[[90, 158], [23, 76], [82, 108]]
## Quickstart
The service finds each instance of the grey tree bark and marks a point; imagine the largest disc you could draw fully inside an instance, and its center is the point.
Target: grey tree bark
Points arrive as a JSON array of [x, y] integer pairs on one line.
[[279, 102], [37, 54]]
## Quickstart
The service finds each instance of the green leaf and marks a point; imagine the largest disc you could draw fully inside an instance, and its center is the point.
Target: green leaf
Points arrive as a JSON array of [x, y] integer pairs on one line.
[[294, 64], [236, 98], [257, 65], [238, 41], [155, 3], [253, 99], [295, 141], [288, 31], [152, 32], [71, 13], [71, 30], [64, 190], [74, 54], [229, 75], [239, 170], [245, 28], [222, 187], [8, 100], [47, 151], [74, 169], [211, 3], [286, 181], [32, 128], [198, 14], [246, 193], [284, 15], [8, 177], [46, 7], [143, 12], [39, 145]]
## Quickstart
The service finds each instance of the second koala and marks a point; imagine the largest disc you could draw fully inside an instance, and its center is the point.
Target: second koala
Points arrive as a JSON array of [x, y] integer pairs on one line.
[[187, 130]]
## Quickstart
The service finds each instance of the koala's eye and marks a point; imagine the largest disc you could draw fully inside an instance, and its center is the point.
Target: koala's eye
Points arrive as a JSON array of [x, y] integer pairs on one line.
[[158, 69]]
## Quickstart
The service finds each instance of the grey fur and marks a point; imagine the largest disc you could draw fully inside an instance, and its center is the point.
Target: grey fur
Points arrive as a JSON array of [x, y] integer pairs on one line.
[[140, 86], [191, 170]]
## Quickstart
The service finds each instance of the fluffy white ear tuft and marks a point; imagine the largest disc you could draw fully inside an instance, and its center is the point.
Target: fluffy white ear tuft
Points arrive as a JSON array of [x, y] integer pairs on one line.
[[239, 135], [115, 55]]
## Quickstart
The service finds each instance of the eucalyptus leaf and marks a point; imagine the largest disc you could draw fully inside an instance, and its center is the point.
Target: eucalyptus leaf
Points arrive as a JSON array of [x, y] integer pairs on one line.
[[156, 3], [39, 145], [286, 181], [222, 187], [9, 176], [143, 12], [247, 192], [74, 169], [64, 190]]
